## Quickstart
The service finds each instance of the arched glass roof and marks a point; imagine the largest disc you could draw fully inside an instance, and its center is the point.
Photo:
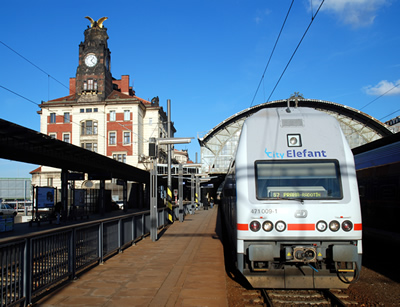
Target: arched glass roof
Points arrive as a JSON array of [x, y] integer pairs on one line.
[[219, 144]]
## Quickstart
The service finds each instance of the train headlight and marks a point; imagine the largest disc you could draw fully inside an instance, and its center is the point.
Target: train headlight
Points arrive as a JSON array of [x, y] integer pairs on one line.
[[280, 226], [334, 226], [267, 226], [255, 226], [347, 225], [322, 226], [294, 140]]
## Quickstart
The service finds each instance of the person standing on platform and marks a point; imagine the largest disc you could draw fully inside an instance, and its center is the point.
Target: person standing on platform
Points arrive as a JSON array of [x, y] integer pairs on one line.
[[58, 210], [205, 202]]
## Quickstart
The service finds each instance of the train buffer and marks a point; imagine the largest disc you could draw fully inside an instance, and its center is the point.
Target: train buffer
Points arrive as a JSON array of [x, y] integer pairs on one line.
[[184, 267]]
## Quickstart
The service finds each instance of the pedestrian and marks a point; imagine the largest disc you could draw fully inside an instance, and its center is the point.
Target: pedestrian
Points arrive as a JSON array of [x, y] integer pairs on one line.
[[205, 202], [58, 210], [211, 202]]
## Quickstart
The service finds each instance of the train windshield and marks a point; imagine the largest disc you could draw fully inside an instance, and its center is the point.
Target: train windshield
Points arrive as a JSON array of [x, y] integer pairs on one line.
[[317, 179]]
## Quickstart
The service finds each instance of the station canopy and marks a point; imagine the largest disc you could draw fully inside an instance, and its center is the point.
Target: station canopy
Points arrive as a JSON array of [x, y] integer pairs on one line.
[[219, 144]]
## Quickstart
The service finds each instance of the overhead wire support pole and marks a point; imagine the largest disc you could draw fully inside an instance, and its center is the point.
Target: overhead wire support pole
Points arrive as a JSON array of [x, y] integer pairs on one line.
[[153, 201], [169, 184], [180, 193]]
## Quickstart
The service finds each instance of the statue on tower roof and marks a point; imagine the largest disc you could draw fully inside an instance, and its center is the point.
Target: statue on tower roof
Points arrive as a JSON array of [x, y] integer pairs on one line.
[[98, 23]]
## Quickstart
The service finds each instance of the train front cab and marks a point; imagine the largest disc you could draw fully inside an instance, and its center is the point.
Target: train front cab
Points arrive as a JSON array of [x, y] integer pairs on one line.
[[298, 211]]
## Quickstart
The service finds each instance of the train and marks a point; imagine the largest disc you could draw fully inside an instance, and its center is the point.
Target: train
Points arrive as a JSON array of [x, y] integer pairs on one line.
[[378, 175], [290, 202]]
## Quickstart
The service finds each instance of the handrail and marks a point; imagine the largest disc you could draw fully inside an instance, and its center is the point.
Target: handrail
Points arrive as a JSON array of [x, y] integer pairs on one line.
[[33, 264]]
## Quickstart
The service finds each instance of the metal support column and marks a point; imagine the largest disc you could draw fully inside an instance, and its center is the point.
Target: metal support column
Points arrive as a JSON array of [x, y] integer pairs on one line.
[[180, 192], [169, 184], [153, 202], [102, 197], [193, 188], [64, 193], [197, 192], [124, 195]]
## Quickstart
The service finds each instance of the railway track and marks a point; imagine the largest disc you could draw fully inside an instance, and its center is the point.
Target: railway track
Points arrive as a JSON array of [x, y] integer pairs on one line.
[[293, 298], [282, 298]]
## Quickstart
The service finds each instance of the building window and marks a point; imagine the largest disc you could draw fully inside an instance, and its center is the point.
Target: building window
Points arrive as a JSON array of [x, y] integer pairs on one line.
[[89, 146], [95, 110], [120, 157], [82, 111], [112, 116], [89, 110], [53, 135], [67, 138], [112, 138], [49, 182], [127, 115], [150, 121], [89, 127], [67, 118], [52, 118], [127, 137]]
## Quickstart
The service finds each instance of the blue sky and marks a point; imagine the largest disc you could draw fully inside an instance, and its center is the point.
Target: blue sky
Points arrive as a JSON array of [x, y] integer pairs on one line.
[[207, 56]]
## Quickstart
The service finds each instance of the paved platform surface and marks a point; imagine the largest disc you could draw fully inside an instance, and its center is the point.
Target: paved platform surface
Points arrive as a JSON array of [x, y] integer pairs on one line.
[[184, 267]]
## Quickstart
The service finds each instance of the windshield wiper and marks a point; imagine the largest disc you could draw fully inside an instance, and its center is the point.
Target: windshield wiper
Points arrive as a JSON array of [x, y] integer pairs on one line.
[[301, 200]]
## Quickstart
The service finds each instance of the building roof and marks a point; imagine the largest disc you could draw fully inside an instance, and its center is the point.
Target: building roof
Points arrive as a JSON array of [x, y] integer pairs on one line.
[[115, 94]]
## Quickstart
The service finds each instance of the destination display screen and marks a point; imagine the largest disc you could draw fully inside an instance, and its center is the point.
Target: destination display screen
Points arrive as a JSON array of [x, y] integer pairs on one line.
[[316, 179]]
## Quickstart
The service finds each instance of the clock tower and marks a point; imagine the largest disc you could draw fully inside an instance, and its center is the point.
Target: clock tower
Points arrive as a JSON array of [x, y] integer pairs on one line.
[[93, 76]]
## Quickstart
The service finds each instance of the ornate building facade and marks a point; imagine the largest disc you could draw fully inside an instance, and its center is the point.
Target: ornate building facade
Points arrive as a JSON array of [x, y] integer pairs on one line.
[[101, 113]]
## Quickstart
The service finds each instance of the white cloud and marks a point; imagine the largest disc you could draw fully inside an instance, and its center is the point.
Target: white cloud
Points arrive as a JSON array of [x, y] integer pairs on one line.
[[357, 13], [260, 15], [384, 88]]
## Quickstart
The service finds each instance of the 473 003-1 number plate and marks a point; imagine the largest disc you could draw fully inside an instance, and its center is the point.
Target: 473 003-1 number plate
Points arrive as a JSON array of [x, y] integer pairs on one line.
[[264, 211]]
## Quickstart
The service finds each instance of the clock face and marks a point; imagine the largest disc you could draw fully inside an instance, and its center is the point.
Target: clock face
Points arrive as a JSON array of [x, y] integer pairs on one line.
[[90, 60]]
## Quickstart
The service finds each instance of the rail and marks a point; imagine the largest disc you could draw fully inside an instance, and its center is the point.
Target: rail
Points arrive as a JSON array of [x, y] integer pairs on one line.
[[32, 265]]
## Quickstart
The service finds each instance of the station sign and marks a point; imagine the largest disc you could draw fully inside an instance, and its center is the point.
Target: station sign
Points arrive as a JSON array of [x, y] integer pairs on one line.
[[99, 176], [76, 176]]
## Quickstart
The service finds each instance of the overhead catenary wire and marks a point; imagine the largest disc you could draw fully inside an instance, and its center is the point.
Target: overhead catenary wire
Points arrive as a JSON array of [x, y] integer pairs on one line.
[[34, 65], [297, 47], [380, 96], [272, 52], [389, 114], [49, 76], [19, 95]]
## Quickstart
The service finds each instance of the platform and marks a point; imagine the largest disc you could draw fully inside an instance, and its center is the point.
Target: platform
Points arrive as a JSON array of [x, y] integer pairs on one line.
[[184, 267]]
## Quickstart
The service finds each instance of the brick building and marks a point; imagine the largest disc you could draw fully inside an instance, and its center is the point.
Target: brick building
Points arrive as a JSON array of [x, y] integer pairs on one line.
[[101, 113]]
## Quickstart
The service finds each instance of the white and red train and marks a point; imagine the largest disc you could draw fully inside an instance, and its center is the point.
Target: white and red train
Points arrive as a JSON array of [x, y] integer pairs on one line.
[[290, 202]]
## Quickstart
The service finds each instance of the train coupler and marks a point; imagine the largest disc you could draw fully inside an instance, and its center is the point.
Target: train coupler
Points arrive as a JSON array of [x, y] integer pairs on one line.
[[303, 254]]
